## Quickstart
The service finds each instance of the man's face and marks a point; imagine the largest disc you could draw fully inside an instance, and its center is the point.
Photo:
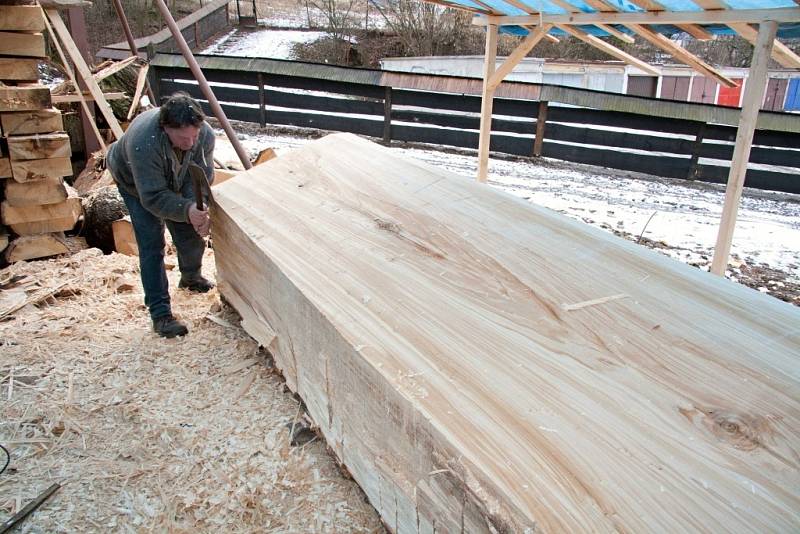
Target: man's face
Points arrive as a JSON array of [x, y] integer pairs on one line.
[[183, 138]]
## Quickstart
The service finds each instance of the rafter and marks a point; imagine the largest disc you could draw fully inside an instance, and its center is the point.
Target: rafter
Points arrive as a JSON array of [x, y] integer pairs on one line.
[[719, 16], [572, 9], [696, 31], [667, 45], [608, 49], [780, 52]]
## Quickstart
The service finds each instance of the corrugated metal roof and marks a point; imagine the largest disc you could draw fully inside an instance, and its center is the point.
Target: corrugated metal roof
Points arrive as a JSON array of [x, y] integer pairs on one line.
[[785, 30]]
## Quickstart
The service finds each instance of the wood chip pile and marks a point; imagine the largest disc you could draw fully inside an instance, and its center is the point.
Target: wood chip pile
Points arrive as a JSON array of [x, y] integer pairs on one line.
[[38, 206], [147, 434]]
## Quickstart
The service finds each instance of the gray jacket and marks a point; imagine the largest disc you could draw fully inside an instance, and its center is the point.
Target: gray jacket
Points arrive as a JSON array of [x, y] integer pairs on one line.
[[144, 164]]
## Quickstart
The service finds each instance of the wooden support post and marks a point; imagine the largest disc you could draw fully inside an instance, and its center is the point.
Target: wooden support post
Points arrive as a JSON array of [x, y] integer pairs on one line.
[[262, 110], [541, 120], [697, 148], [387, 116], [83, 69], [487, 97], [753, 97]]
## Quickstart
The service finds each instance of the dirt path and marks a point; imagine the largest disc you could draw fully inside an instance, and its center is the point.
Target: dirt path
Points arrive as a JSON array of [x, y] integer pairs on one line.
[[146, 434]]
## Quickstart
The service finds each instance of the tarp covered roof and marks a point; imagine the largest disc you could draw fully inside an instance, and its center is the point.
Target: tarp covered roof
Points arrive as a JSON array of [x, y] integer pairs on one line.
[[785, 30]]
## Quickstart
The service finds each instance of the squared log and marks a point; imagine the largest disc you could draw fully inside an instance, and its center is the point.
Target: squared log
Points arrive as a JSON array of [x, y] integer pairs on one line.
[[29, 220], [17, 69], [22, 18], [124, 237], [36, 246], [39, 169], [24, 98], [22, 44], [39, 146], [32, 122], [45, 191], [481, 364]]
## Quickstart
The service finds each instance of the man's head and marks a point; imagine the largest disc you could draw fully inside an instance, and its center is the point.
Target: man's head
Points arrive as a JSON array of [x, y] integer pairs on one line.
[[181, 118]]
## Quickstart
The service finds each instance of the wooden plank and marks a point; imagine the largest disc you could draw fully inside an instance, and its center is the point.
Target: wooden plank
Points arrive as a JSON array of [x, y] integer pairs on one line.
[[29, 220], [24, 98], [71, 98], [36, 246], [696, 31], [32, 122], [44, 191], [83, 69], [753, 97], [39, 146], [516, 55], [422, 318], [19, 69], [22, 44], [606, 47], [21, 18]]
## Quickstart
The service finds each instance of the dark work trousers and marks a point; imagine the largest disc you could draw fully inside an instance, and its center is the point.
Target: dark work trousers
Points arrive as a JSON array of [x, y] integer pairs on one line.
[[149, 231]]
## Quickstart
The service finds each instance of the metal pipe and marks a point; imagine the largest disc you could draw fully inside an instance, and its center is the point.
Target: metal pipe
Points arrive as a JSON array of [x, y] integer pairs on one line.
[[131, 41], [204, 87]]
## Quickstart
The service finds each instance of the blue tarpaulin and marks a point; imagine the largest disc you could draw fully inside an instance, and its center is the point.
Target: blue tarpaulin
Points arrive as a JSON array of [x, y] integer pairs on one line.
[[785, 30]]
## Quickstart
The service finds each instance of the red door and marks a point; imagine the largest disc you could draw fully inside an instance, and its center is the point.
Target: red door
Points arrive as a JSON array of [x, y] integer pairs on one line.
[[731, 96]]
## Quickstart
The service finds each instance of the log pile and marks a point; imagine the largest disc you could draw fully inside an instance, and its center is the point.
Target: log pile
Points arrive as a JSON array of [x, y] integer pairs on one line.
[[38, 205], [480, 364]]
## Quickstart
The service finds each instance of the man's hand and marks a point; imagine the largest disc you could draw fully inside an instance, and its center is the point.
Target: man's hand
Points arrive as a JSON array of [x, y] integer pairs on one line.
[[200, 220]]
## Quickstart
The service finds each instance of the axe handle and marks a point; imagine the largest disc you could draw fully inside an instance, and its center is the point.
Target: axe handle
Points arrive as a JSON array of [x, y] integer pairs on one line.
[[197, 185]]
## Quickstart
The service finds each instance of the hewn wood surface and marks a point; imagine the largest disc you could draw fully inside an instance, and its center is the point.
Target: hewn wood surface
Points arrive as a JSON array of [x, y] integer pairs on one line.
[[39, 169], [22, 44], [29, 220], [24, 98], [19, 69], [39, 146], [481, 363], [32, 122], [21, 18], [36, 246], [51, 190]]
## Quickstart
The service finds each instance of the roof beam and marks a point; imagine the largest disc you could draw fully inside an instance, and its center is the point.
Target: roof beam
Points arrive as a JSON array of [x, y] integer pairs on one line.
[[696, 31], [667, 45], [780, 52], [609, 49], [720, 16], [516, 56], [566, 6]]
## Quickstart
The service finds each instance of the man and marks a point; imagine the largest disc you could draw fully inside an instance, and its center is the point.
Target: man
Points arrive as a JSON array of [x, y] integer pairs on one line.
[[150, 165]]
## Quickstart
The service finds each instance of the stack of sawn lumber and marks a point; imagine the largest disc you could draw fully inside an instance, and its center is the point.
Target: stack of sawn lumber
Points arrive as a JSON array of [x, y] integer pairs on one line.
[[38, 206]]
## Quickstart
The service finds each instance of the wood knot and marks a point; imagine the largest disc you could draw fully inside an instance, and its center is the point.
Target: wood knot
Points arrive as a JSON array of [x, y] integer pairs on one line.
[[742, 431]]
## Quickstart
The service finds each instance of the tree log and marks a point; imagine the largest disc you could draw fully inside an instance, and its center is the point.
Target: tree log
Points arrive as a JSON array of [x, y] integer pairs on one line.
[[36, 246], [102, 206], [480, 364]]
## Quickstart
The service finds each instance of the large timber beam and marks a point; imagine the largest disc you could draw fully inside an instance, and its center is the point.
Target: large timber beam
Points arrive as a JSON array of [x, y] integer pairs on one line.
[[480, 364], [780, 52]]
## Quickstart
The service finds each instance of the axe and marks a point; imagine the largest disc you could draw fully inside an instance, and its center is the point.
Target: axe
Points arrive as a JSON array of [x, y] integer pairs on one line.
[[199, 183]]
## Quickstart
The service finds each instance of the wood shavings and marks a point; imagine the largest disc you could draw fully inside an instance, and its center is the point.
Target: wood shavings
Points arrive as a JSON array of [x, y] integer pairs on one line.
[[148, 435]]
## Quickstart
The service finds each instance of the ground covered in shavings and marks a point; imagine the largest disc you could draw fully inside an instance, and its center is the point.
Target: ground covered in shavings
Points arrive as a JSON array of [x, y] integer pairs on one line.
[[146, 434]]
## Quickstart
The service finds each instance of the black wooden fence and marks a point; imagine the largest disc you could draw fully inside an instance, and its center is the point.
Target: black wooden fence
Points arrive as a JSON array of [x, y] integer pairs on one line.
[[627, 141]]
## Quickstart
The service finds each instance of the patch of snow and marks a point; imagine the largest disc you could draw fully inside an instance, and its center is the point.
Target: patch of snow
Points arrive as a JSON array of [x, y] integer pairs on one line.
[[275, 44]]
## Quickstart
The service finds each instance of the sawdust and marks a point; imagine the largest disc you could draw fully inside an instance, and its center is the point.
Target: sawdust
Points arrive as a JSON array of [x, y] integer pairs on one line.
[[147, 434]]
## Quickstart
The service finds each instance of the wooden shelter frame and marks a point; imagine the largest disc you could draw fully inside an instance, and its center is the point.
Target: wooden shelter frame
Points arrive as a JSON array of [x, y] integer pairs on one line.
[[539, 23]]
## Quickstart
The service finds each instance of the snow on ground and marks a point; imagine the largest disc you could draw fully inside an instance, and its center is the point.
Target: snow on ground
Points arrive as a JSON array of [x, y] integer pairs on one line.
[[275, 44], [683, 215]]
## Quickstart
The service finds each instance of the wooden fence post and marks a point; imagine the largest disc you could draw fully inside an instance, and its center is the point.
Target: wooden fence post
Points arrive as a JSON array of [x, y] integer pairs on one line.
[[541, 120], [262, 110], [387, 116], [696, 149]]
